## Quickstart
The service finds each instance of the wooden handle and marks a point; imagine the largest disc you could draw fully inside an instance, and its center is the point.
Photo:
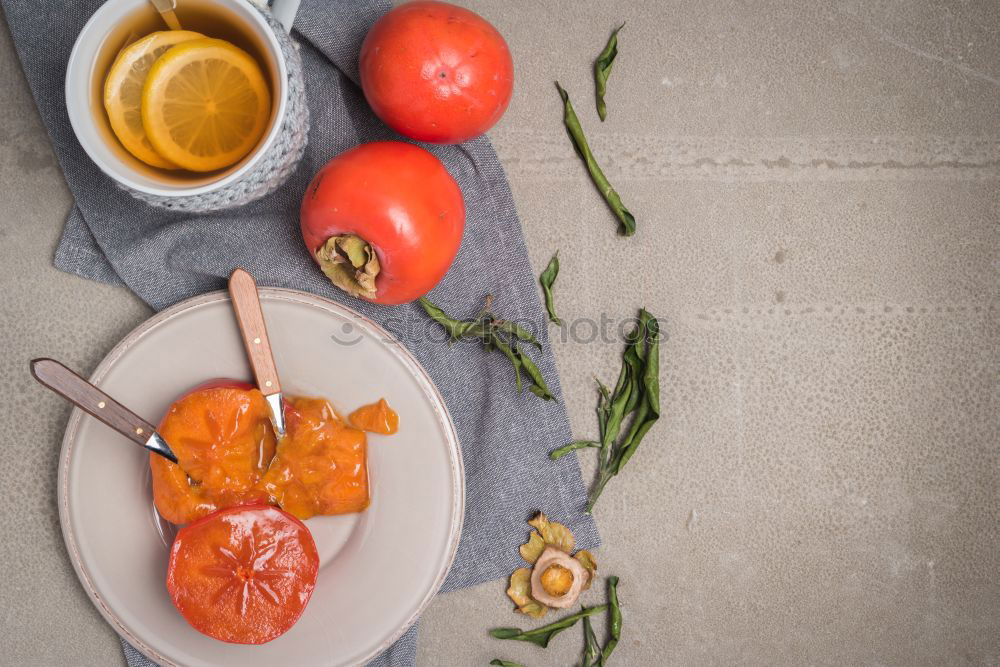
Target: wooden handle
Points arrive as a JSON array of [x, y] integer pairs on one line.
[[246, 303], [91, 400]]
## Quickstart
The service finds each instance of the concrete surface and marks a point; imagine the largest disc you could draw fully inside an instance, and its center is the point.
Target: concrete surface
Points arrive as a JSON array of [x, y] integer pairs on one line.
[[816, 189]]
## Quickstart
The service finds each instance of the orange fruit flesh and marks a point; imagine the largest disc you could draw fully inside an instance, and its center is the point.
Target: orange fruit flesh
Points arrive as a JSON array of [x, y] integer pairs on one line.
[[321, 464], [376, 418]]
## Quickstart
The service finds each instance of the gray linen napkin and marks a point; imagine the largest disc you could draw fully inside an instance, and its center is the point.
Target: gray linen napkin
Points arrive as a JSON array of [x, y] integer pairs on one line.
[[165, 257]]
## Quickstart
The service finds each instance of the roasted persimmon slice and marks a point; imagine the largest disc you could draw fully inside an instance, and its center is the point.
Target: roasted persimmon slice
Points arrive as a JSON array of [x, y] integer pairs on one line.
[[321, 464], [243, 574], [222, 436]]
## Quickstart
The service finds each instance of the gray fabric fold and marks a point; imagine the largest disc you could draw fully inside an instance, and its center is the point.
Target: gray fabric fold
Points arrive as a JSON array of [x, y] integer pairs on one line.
[[166, 257]]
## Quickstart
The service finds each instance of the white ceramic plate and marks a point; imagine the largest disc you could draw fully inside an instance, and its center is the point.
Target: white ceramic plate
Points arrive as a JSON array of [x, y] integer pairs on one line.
[[378, 569]]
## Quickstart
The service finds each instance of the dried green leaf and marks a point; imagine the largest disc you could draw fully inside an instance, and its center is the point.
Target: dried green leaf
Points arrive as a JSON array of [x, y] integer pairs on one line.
[[603, 389], [648, 411], [625, 218], [602, 70], [543, 635], [604, 476], [497, 662], [547, 279], [554, 533], [591, 649], [614, 619], [513, 357], [632, 359], [538, 388], [488, 329], [560, 452], [603, 407], [625, 414], [540, 392], [521, 361], [481, 330], [455, 328], [512, 328], [615, 413], [533, 548], [505, 633]]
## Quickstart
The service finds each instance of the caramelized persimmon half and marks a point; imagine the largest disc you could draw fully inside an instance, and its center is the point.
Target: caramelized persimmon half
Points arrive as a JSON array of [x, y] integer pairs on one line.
[[243, 574]]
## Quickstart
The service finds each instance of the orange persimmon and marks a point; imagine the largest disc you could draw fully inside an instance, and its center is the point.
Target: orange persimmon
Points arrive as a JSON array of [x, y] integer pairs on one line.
[[244, 574]]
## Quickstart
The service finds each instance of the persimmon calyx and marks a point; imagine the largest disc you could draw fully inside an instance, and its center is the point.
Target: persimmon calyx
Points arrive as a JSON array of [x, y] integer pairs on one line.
[[351, 264]]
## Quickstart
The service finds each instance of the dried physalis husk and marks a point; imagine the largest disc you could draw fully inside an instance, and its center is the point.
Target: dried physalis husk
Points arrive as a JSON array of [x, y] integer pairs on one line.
[[589, 564], [520, 592], [546, 534], [554, 534], [533, 548]]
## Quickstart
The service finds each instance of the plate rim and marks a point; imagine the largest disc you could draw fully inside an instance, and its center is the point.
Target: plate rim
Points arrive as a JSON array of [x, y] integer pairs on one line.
[[281, 294]]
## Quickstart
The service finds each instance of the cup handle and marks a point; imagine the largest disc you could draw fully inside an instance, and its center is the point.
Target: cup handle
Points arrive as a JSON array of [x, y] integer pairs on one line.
[[284, 12]]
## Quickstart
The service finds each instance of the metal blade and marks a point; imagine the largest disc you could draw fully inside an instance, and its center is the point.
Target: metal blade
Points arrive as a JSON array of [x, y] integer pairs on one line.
[[158, 445], [277, 412]]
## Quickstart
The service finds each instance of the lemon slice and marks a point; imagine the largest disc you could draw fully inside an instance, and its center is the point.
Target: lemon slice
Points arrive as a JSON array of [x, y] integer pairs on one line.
[[123, 91], [205, 104]]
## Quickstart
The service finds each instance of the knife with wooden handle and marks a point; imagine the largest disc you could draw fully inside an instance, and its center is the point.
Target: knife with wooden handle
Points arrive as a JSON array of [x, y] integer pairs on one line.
[[99, 405], [246, 303]]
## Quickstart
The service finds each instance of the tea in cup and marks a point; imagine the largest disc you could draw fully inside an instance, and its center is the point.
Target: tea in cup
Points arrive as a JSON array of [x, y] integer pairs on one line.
[[200, 119]]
